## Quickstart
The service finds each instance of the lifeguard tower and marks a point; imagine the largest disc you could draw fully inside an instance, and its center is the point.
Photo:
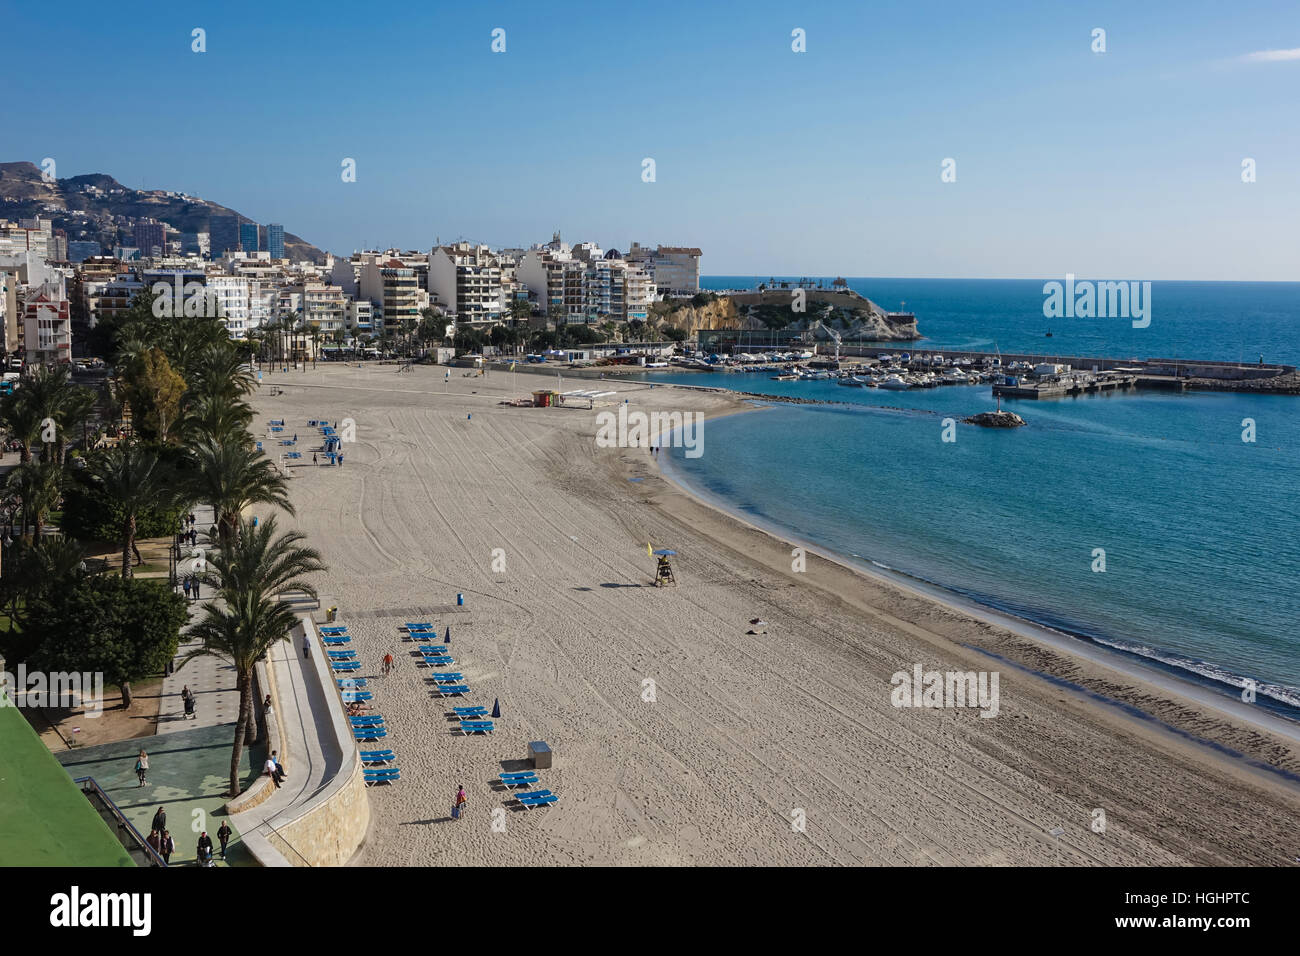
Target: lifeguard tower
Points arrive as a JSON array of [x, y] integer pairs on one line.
[[664, 570]]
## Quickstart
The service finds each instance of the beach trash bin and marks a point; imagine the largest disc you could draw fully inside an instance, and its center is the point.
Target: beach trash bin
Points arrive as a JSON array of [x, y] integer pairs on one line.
[[540, 754], [254, 521], [460, 599], [331, 614]]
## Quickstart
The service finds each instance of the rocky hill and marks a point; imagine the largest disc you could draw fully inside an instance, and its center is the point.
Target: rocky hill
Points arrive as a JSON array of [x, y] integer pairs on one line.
[[851, 315], [98, 207]]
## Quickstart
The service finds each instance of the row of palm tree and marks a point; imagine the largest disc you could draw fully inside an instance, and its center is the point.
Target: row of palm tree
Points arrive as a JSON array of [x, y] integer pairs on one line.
[[199, 451]]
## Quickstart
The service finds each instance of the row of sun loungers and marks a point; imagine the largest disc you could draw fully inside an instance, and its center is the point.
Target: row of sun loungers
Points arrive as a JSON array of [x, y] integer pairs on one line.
[[528, 798], [365, 727]]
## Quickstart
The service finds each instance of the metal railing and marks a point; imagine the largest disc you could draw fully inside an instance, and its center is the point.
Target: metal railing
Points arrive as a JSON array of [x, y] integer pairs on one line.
[[138, 843]]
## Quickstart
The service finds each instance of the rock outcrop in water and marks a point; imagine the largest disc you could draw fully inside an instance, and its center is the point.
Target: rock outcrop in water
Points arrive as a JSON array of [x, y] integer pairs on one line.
[[995, 420], [852, 316]]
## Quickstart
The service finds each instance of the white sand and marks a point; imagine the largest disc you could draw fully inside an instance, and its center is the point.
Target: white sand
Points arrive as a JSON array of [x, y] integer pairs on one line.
[[745, 728]]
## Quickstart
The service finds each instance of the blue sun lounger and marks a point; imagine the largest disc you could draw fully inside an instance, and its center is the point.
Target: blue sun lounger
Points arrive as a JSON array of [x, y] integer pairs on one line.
[[382, 775], [342, 655], [418, 625], [434, 649], [448, 677], [476, 727], [431, 660], [377, 756], [448, 690], [536, 798], [336, 640], [369, 733], [359, 720], [343, 667], [357, 696], [351, 683], [468, 713], [525, 778], [334, 629]]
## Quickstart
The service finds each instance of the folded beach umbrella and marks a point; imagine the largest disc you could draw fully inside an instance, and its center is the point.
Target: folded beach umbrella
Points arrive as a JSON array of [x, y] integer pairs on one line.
[[447, 639], [496, 707]]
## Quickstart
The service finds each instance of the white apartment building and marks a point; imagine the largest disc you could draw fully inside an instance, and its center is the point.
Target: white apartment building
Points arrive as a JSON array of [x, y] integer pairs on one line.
[[587, 287], [360, 317], [674, 269], [47, 323], [325, 307], [466, 279], [231, 294]]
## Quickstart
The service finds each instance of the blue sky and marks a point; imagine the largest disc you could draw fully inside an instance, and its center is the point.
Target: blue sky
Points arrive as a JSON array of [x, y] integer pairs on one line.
[[1121, 165]]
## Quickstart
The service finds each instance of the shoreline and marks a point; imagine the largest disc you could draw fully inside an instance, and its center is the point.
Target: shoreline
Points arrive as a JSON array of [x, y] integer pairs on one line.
[[1126, 663], [1277, 715]]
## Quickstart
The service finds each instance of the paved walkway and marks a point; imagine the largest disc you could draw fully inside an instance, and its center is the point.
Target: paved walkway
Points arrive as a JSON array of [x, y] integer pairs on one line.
[[212, 679], [307, 704]]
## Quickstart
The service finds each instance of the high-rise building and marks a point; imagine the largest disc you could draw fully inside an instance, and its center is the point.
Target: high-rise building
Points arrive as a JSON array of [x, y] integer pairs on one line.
[[467, 280], [224, 235], [151, 238], [248, 237], [275, 240], [80, 251]]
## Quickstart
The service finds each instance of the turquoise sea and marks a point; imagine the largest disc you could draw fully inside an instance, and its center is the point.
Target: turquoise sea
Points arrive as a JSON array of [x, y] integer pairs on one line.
[[1201, 530]]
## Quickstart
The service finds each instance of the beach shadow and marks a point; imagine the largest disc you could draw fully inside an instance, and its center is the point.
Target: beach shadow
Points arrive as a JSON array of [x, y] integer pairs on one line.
[[614, 585], [514, 766], [425, 823], [580, 589]]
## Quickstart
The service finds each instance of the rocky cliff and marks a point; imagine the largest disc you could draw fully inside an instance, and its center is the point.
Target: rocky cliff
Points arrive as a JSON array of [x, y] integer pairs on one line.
[[849, 314]]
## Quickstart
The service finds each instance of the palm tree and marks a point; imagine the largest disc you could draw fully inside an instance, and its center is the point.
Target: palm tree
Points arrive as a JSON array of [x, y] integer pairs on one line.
[[133, 476], [230, 475], [215, 417], [220, 372], [37, 483], [246, 619], [22, 420]]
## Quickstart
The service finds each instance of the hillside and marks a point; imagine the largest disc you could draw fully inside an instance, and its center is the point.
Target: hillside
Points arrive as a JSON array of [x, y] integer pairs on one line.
[[98, 207], [848, 313]]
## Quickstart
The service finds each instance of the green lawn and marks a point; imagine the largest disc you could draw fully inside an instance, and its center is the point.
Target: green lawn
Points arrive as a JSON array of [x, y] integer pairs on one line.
[[45, 820]]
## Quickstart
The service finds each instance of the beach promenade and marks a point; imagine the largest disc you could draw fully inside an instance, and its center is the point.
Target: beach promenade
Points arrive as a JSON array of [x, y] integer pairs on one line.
[[680, 737]]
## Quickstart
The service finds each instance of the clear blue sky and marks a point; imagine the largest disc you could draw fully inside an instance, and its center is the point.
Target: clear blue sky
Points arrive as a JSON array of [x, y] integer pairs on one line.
[[1122, 165]]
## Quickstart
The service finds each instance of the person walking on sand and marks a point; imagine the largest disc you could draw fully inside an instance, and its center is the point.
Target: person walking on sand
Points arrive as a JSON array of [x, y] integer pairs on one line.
[[167, 846], [142, 767], [388, 663], [159, 820], [314, 459], [223, 835], [461, 800]]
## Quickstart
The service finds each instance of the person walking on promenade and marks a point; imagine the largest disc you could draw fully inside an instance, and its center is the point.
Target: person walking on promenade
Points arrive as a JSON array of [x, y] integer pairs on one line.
[[142, 767], [204, 853], [159, 820], [196, 589], [306, 647], [224, 836], [186, 584], [388, 663], [167, 846], [187, 699], [154, 839], [461, 800]]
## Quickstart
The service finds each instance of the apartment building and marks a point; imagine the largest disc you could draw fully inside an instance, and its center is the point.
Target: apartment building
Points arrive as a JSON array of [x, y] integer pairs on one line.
[[248, 237], [466, 280], [47, 323], [393, 289], [223, 235], [324, 306], [275, 240], [150, 237], [9, 317], [674, 269]]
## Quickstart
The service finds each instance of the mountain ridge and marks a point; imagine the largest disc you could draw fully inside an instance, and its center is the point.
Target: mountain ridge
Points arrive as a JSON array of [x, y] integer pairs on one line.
[[24, 194]]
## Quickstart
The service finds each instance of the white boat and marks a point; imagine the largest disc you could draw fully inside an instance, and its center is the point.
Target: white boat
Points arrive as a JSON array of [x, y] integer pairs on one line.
[[852, 381], [893, 382]]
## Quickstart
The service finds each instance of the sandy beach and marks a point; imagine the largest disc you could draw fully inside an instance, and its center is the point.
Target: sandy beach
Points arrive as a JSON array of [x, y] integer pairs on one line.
[[447, 491]]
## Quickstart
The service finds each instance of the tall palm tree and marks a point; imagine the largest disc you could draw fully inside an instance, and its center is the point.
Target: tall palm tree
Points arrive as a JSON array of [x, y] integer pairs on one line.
[[230, 475], [132, 475], [23, 421], [246, 618], [216, 417], [219, 372]]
